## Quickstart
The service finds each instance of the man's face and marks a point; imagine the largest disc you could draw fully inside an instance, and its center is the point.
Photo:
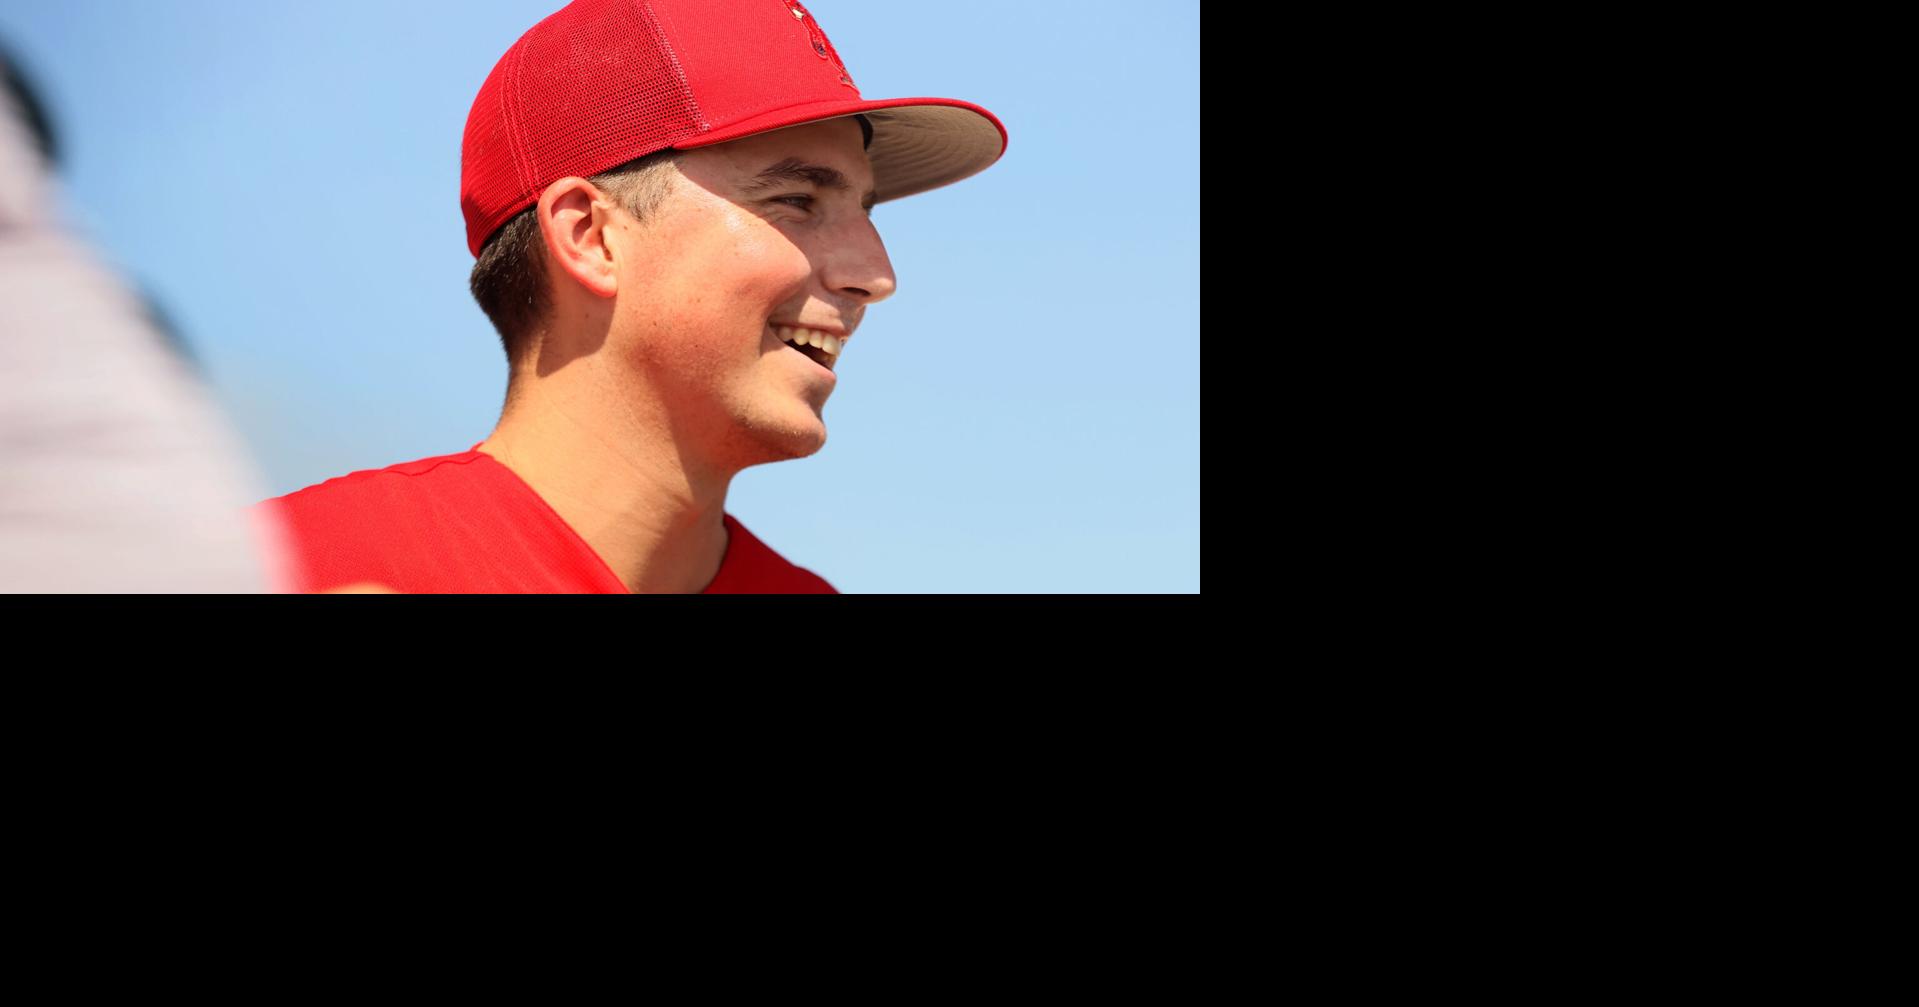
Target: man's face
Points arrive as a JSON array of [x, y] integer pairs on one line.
[[733, 250]]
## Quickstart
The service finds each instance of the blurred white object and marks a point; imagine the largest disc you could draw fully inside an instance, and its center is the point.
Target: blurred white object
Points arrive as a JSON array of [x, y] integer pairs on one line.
[[118, 473]]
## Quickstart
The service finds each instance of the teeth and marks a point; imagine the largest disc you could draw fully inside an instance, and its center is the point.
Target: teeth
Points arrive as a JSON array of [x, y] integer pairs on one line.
[[809, 337]]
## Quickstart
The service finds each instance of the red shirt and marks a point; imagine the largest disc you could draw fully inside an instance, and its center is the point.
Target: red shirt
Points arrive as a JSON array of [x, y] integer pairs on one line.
[[466, 524]]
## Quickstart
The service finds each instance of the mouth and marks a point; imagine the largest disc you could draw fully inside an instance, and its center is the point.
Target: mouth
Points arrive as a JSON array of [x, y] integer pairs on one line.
[[801, 341]]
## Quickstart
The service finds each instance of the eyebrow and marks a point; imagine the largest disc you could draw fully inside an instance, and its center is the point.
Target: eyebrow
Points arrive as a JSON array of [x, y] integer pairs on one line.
[[795, 170]]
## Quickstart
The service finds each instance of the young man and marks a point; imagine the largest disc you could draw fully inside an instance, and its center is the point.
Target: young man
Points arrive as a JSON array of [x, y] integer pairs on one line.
[[664, 197]]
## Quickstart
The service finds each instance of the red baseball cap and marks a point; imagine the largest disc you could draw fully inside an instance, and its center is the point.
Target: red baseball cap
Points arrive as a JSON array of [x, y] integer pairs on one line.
[[601, 82]]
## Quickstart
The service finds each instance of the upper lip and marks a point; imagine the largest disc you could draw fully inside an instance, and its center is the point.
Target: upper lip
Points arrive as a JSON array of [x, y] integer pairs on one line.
[[831, 330]]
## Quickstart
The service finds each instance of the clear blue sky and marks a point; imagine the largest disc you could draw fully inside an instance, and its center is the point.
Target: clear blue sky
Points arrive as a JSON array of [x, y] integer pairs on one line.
[[1022, 416]]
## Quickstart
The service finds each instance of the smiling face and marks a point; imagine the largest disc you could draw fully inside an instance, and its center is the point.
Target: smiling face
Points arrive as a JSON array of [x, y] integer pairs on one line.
[[754, 233]]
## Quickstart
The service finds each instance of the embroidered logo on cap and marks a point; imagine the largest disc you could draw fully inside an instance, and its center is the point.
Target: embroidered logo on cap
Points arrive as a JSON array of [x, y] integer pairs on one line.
[[821, 45]]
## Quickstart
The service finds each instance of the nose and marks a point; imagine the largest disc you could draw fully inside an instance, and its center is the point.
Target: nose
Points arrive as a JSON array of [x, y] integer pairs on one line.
[[858, 266]]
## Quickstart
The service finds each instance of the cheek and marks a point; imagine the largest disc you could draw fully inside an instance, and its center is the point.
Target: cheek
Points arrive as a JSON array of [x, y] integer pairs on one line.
[[767, 264], [729, 273]]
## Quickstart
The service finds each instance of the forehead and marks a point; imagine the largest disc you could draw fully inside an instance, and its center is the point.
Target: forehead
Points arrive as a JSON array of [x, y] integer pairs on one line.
[[828, 155]]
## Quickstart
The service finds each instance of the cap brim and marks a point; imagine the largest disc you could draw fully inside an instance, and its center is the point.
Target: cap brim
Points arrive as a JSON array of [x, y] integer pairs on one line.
[[918, 143]]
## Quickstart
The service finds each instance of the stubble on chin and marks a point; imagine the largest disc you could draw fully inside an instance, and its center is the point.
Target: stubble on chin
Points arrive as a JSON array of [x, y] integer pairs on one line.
[[773, 439]]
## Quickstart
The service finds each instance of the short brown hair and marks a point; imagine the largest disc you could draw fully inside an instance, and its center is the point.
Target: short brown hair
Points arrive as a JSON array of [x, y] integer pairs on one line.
[[509, 278]]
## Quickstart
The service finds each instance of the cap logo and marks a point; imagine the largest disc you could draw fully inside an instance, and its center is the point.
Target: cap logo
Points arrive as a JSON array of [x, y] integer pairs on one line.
[[821, 46]]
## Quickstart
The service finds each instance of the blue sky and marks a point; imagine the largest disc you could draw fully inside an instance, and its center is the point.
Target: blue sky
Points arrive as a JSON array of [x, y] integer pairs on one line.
[[1023, 415]]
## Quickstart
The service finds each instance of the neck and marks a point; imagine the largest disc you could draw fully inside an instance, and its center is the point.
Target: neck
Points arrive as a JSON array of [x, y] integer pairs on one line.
[[614, 472]]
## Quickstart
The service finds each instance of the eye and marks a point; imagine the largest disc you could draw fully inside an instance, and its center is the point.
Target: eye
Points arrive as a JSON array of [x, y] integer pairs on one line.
[[804, 201]]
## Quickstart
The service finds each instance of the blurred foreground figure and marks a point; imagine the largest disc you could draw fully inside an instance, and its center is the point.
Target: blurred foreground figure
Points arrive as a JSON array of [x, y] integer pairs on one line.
[[118, 473]]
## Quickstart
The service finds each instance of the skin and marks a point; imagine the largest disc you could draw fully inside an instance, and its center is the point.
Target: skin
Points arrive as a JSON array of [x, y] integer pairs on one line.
[[657, 379]]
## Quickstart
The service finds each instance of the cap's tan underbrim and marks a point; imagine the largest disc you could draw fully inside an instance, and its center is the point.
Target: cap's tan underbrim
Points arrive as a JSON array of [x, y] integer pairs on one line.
[[919, 144]]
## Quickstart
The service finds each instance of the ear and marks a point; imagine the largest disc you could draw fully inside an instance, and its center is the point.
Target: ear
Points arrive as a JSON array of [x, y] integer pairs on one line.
[[573, 216]]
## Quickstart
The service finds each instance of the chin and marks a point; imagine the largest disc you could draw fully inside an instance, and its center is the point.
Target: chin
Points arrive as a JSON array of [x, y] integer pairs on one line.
[[810, 446], [786, 444]]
